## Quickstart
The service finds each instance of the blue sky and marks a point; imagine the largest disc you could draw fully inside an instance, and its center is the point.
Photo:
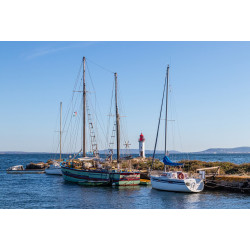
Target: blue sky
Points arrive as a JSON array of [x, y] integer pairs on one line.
[[209, 98]]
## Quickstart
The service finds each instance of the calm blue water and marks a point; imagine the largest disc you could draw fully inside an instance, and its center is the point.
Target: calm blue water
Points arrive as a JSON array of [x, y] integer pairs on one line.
[[44, 191]]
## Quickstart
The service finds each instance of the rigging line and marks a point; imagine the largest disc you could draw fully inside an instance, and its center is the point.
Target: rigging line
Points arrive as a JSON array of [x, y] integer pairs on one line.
[[96, 101], [53, 137], [73, 94], [93, 130], [159, 121], [73, 134], [95, 116], [110, 112], [179, 129], [78, 122], [91, 81], [68, 130], [77, 80], [73, 108], [122, 111], [123, 123], [97, 121], [172, 125], [108, 70], [57, 149]]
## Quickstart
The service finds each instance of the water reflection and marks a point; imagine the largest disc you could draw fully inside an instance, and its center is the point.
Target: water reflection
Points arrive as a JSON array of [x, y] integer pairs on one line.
[[172, 200], [44, 191]]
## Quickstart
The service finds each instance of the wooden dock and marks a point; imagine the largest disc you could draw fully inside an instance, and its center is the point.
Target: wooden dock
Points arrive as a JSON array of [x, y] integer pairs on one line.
[[233, 183]]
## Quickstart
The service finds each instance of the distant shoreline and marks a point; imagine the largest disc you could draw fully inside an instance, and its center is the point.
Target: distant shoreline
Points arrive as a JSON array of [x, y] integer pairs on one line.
[[241, 150]]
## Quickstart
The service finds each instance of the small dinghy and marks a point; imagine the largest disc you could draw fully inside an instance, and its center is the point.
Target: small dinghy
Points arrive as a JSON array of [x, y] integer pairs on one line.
[[19, 169]]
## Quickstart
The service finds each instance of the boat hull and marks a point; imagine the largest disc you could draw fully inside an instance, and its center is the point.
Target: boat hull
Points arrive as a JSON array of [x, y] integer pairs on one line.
[[125, 179], [85, 177], [177, 185], [53, 171], [145, 182]]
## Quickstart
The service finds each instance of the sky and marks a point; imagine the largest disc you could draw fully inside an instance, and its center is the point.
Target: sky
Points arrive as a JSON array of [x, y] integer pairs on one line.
[[208, 100]]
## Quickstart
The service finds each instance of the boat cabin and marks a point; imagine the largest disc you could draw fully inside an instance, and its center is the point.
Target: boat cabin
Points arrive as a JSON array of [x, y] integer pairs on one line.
[[175, 175]]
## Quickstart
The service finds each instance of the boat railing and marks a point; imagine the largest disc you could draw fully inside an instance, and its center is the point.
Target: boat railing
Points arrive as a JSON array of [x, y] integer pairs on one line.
[[156, 172]]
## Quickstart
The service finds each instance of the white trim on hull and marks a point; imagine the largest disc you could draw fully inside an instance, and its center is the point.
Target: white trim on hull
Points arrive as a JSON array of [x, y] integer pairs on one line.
[[189, 185]]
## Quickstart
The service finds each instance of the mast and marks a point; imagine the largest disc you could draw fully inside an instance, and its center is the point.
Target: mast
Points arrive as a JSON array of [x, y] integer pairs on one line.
[[60, 131], [117, 122], [84, 112], [166, 118]]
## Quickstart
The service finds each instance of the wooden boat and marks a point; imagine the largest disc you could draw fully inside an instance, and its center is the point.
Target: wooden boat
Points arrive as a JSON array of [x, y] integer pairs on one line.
[[119, 177], [86, 177], [19, 169], [124, 178], [145, 182], [86, 174], [176, 181]]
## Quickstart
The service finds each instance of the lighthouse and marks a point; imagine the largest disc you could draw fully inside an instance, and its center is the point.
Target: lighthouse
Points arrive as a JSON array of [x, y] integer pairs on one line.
[[141, 146]]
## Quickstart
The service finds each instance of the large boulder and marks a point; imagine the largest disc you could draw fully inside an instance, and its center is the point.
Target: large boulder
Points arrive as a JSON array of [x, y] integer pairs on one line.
[[39, 165]]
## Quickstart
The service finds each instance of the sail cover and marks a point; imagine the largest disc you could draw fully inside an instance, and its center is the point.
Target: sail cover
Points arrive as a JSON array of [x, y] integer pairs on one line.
[[167, 161]]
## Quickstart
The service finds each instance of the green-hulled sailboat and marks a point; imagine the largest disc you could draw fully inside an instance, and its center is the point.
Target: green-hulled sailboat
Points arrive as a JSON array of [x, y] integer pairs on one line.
[[89, 171]]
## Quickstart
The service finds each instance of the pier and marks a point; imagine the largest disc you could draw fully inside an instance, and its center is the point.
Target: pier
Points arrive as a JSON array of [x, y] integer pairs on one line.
[[228, 183]]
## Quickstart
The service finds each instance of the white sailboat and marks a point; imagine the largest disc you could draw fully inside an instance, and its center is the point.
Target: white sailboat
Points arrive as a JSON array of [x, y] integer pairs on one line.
[[176, 181], [55, 168]]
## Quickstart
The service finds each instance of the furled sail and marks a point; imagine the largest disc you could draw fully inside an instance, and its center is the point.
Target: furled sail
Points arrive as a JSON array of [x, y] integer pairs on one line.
[[168, 162]]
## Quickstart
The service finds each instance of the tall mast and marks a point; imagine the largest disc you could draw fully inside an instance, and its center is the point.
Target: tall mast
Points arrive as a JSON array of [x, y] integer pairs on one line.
[[166, 118], [60, 131], [117, 122], [84, 111]]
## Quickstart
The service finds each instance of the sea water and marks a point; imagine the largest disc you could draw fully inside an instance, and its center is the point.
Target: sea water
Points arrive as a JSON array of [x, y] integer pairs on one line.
[[48, 191]]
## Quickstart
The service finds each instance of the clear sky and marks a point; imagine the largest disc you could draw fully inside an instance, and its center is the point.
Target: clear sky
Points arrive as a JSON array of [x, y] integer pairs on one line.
[[210, 89]]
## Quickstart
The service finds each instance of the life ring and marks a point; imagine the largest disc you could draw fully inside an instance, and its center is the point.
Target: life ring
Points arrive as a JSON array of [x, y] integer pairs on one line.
[[181, 176]]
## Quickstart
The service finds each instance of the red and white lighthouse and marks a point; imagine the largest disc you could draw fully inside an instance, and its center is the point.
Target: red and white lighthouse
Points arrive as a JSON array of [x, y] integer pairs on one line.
[[141, 146]]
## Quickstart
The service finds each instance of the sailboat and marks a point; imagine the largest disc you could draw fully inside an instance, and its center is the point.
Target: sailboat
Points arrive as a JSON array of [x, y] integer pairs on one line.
[[120, 177], [55, 167], [176, 180], [91, 171]]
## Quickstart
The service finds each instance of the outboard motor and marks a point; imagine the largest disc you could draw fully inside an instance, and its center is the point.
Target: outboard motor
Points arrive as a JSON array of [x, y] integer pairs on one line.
[[202, 174]]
